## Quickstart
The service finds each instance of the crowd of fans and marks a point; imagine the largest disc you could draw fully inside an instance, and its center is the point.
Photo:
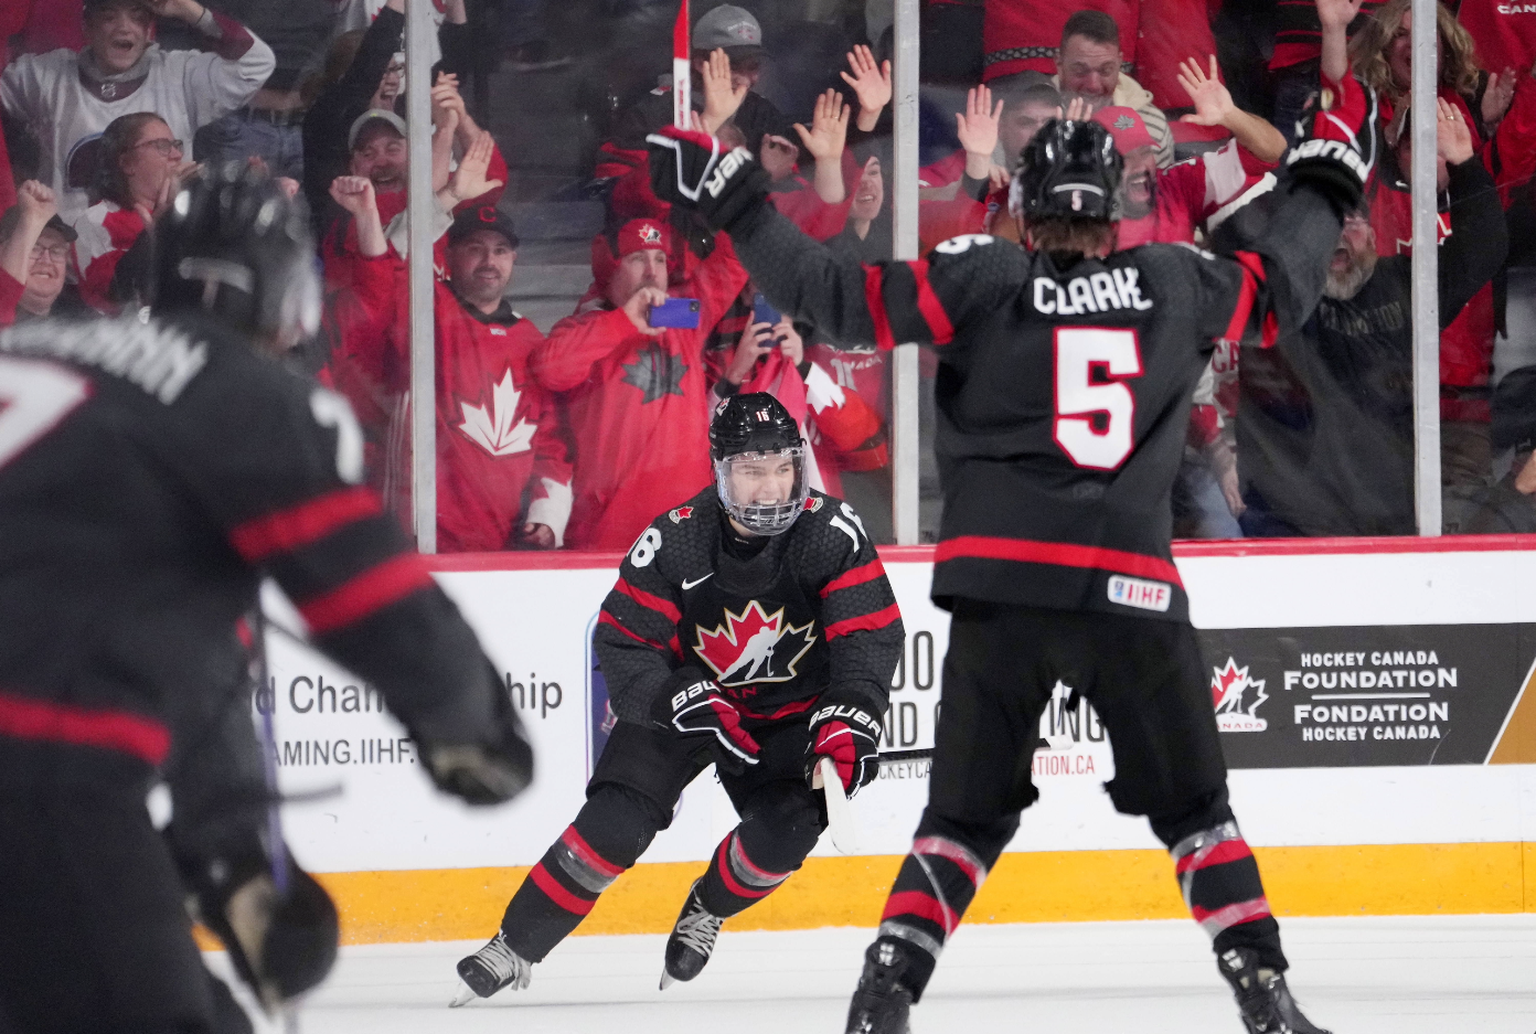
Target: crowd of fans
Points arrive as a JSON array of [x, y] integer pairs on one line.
[[577, 438]]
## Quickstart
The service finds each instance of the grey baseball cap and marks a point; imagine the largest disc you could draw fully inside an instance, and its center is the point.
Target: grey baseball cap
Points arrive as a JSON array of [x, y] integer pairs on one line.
[[730, 27], [380, 115]]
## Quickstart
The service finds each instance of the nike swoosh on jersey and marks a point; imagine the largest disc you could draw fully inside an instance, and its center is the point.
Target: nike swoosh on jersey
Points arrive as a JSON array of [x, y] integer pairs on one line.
[[697, 581]]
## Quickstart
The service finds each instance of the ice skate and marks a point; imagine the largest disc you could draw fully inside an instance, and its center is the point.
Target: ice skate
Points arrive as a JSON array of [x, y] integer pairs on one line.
[[692, 940], [490, 969], [1263, 999], [881, 1003]]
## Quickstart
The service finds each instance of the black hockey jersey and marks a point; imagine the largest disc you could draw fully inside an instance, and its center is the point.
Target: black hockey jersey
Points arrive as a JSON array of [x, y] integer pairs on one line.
[[811, 610], [150, 474], [1063, 393]]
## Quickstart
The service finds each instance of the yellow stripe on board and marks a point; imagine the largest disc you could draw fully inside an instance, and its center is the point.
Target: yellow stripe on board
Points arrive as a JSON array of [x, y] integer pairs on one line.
[[1048, 886]]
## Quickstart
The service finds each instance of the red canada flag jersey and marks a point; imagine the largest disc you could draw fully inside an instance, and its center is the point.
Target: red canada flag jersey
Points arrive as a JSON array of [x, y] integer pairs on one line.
[[638, 407], [498, 432]]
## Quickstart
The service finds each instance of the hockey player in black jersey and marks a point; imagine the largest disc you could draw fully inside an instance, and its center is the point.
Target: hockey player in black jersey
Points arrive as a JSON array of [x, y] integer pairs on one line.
[[1063, 389], [152, 472], [752, 627]]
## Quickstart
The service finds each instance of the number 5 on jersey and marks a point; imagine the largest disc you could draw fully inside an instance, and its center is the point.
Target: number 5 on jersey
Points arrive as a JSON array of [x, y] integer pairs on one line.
[[1094, 423]]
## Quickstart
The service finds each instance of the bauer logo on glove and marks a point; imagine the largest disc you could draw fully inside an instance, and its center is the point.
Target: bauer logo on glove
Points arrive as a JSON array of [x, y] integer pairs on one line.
[[688, 169]]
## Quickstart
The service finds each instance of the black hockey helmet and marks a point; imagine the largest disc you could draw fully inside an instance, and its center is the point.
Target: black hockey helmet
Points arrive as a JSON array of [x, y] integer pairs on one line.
[[750, 437], [235, 245], [1069, 170]]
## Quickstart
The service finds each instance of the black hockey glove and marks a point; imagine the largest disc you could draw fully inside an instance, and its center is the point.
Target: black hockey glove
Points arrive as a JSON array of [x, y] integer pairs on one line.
[[695, 707], [1336, 142], [492, 770], [849, 735], [691, 169], [282, 943]]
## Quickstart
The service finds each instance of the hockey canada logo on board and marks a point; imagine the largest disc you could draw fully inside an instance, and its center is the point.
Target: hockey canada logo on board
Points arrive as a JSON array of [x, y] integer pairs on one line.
[[1237, 698], [753, 646]]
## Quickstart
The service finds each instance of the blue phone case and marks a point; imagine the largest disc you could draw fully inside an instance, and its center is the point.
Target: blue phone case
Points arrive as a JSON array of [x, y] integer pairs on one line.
[[678, 313], [764, 312]]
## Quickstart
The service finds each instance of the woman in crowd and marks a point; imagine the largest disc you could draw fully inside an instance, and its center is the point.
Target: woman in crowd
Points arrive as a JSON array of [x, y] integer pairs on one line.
[[142, 167]]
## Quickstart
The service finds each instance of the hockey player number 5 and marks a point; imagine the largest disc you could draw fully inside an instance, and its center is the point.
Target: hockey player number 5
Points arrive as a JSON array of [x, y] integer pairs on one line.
[[34, 396], [1094, 420]]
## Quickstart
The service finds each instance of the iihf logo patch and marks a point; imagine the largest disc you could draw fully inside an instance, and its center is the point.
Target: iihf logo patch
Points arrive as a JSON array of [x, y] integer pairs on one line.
[[812, 504], [650, 235], [681, 514]]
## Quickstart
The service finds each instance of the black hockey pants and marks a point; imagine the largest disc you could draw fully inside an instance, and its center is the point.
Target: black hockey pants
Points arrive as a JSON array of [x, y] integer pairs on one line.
[[1147, 682]]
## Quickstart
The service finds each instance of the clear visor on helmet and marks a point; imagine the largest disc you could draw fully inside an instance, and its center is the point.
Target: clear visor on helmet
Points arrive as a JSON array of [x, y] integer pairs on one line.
[[763, 491]]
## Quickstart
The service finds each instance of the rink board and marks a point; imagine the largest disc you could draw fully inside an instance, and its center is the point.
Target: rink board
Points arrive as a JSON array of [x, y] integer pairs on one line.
[[1373, 707]]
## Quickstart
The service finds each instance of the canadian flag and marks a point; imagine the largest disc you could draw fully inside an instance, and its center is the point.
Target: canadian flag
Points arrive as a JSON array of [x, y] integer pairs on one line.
[[491, 427]]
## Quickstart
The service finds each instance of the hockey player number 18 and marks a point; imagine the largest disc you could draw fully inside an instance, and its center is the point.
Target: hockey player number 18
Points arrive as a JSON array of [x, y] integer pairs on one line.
[[1079, 350], [34, 396]]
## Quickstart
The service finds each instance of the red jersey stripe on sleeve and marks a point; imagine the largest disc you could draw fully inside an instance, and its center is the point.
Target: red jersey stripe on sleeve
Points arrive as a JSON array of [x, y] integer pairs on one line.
[[1027, 551], [855, 576], [939, 326], [606, 618], [376, 588], [24, 718], [1253, 275], [650, 601], [864, 623], [298, 526], [874, 297]]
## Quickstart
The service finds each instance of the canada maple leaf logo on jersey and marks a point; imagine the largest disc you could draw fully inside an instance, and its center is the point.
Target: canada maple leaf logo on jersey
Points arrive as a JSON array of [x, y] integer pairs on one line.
[[491, 427], [1229, 685], [753, 646]]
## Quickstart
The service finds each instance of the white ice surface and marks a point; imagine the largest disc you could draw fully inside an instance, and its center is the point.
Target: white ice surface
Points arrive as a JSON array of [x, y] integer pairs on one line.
[[1354, 976]]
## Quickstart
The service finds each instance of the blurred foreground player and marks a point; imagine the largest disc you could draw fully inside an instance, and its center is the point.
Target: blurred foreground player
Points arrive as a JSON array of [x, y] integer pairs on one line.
[[1064, 387], [151, 473], [752, 627]]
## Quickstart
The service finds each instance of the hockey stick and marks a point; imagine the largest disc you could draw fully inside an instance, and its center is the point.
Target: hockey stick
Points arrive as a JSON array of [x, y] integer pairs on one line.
[[916, 754], [840, 821]]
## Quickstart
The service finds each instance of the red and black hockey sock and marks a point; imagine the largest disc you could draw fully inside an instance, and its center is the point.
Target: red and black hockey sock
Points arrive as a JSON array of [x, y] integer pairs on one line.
[[1219, 878], [610, 832], [937, 881], [778, 829]]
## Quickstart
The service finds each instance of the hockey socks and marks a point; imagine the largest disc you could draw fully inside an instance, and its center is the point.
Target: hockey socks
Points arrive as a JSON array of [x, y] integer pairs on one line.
[[557, 895], [611, 831], [734, 881], [1219, 878], [935, 886]]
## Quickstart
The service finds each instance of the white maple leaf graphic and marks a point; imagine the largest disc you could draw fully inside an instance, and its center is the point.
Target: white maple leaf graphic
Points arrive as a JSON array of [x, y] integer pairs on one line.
[[491, 427]]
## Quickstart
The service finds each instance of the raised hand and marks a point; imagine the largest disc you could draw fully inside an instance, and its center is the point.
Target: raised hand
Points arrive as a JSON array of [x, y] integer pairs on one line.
[[1078, 110], [1498, 95], [1337, 14], [1212, 100], [1453, 137], [791, 344], [38, 203], [721, 98], [755, 342], [469, 179], [638, 308], [354, 194], [829, 127], [871, 83], [976, 126], [447, 102]]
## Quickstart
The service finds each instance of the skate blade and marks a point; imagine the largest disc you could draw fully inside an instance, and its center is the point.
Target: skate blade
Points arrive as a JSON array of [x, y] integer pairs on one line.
[[463, 996], [667, 979]]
